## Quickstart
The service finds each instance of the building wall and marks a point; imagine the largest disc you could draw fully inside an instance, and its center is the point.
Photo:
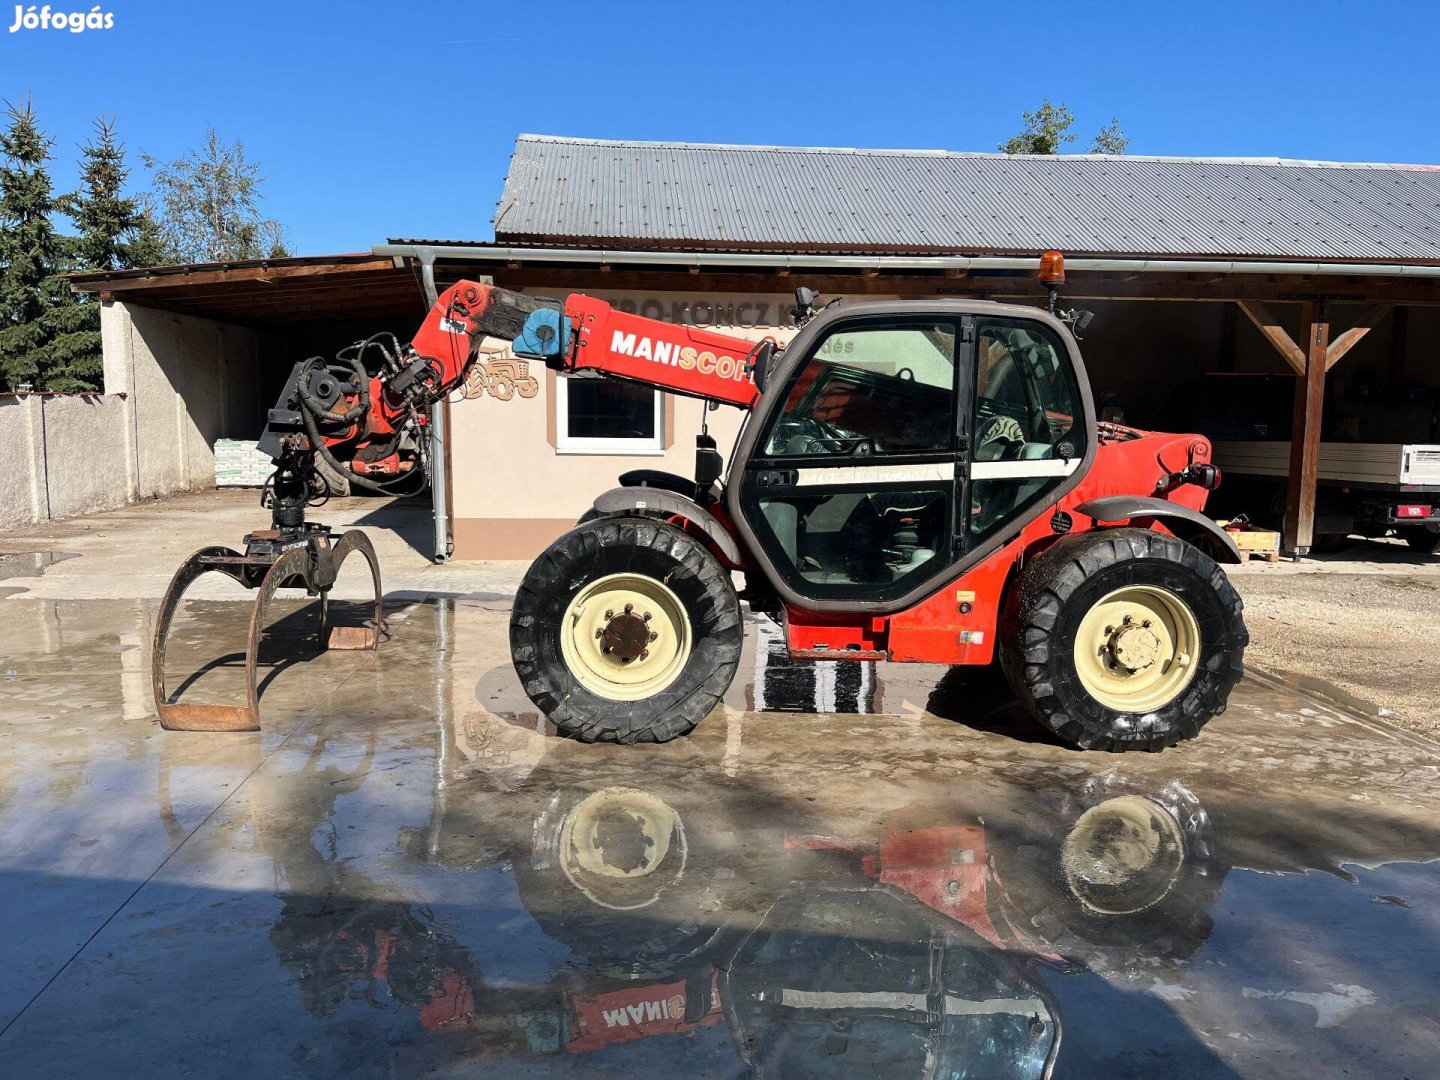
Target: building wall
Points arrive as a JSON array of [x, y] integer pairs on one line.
[[173, 385], [187, 381]]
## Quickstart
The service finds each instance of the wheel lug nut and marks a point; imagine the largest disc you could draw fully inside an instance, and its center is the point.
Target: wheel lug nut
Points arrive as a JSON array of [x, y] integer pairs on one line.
[[644, 653], [1109, 629], [646, 616], [599, 633], [653, 635], [629, 608], [609, 614], [1146, 624]]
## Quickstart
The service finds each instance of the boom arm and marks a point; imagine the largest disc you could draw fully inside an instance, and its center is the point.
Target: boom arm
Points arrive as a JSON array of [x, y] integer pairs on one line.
[[369, 425]]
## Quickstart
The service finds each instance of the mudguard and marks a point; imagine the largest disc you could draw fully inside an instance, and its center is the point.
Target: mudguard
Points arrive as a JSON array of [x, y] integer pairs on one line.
[[1189, 525], [660, 502]]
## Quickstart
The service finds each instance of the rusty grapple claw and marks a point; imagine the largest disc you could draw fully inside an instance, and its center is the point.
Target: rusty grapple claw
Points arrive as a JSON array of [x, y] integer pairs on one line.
[[272, 560]]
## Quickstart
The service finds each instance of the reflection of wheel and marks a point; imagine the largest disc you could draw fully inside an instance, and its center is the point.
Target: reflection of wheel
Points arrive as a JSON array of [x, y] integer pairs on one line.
[[626, 630], [1125, 639], [1133, 873], [1423, 539], [616, 874]]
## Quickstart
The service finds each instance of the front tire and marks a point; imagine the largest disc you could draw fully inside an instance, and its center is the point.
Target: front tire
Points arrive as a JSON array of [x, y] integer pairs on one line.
[[1125, 639], [626, 630]]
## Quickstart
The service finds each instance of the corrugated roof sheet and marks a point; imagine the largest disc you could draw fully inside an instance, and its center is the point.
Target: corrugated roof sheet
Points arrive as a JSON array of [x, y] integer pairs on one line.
[[586, 192]]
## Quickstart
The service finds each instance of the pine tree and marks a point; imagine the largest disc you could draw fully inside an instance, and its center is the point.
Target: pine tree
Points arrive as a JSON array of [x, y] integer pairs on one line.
[[146, 245], [31, 254], [104, 216]]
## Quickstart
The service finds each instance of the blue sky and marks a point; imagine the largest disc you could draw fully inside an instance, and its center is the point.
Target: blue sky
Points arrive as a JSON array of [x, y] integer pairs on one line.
[[379, 119]]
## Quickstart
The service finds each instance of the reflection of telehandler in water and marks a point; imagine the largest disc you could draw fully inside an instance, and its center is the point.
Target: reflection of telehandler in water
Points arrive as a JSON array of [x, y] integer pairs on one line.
[[892, 956]]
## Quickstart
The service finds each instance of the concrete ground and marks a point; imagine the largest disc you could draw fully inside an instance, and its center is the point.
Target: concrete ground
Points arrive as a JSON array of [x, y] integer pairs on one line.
[[848, 870], [1356, 625]]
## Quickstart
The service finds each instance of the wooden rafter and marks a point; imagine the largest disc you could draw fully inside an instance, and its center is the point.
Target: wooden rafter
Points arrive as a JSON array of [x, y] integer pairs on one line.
[[1267, 324], [1343, 343]]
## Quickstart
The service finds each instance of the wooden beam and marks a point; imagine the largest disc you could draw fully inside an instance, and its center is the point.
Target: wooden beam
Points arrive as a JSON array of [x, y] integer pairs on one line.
[[1267, 324], [237, 274], [1299, 531], [1343, 343]]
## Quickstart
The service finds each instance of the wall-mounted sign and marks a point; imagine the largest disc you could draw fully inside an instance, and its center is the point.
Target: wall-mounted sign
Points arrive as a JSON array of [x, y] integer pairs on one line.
[[501, 378]]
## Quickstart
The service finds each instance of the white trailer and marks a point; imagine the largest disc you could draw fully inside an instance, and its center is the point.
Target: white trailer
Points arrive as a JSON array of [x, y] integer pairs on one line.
[[1367, 488]]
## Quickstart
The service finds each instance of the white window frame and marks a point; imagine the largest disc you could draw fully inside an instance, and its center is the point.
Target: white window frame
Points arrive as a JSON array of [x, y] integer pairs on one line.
[[565, 443]]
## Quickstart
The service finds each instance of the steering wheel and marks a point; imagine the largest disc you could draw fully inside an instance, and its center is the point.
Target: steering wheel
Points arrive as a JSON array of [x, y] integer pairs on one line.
[[1001, 429], [806, 435]]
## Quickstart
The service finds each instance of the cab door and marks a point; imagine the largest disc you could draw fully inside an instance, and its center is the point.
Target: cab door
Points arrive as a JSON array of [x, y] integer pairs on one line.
[[1030, 427], [855, 487]]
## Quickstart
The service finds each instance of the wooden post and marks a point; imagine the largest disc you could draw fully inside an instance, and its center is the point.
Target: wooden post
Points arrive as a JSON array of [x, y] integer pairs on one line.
[[1299, 531]]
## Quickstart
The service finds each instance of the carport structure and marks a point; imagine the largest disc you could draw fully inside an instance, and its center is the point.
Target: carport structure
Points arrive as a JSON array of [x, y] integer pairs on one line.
[[1181, 256]]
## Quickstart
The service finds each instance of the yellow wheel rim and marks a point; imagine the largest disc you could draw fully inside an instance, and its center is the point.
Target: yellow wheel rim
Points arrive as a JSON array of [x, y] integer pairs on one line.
[[622, 848], [1123, 856], [626, 637], [1137, 649]]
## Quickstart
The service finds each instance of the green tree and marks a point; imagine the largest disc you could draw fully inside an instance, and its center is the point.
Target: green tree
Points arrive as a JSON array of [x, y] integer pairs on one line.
[[31, 254], [1047, 129], [104, 217], [1110, 139], [146, 244], [207, 204]]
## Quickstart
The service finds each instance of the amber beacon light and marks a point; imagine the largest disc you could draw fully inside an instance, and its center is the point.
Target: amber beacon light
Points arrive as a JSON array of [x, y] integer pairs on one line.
[[1052, 268]]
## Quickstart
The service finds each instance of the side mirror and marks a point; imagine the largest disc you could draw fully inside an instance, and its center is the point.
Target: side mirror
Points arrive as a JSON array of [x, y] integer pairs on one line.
[[759, 361]]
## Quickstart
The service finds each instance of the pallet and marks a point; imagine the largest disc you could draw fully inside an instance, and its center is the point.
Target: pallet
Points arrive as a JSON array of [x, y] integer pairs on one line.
[[1255, 543]]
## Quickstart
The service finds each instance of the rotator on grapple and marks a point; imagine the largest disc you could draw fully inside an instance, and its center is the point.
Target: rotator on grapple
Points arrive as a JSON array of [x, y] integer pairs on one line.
[[919, 481]]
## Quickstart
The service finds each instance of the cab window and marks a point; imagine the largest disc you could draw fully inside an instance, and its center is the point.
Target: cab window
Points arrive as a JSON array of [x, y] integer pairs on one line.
[[1029, 431], [871, 390]]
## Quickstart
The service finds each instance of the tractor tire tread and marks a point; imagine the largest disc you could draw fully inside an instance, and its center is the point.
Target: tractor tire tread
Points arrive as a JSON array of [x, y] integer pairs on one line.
[[711, 604], [1036, 656]]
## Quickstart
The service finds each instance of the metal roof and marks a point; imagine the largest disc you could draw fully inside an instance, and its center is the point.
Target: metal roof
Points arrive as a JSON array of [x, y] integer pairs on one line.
[[588, 193]]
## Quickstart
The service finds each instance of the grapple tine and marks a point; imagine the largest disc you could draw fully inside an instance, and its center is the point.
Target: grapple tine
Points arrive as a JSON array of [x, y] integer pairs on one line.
[[353, 637], [176, 716]]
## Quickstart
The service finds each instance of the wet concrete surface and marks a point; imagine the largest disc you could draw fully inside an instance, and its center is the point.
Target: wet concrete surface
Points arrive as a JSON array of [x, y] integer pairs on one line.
[[867, 870], [30, 564]]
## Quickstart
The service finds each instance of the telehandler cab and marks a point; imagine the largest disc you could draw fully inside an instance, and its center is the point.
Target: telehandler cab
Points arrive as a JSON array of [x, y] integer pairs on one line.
[[919, 481]]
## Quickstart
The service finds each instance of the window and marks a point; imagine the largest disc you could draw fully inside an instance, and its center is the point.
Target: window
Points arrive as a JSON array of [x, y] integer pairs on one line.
[[601, 416], [872, 390], [1027, 439], [853, 493]]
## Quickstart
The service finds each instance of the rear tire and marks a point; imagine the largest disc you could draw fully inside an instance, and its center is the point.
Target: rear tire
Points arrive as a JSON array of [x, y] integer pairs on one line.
[[626, 630], [1125, 639]]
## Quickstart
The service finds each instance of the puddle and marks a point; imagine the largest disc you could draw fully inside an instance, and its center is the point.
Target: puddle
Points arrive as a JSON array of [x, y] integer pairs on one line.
[[859, 878], [31, 563]]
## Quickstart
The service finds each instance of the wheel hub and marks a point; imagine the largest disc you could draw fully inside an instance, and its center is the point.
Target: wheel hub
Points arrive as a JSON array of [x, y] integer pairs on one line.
[[627, 634], [1134, 646]]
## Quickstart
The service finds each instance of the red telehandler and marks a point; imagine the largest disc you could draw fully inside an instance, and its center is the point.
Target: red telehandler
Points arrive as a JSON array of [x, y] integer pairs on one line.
[[919, 481]]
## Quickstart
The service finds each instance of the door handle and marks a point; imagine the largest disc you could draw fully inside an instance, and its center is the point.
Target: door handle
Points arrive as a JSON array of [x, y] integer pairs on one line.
[[776, 477]]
